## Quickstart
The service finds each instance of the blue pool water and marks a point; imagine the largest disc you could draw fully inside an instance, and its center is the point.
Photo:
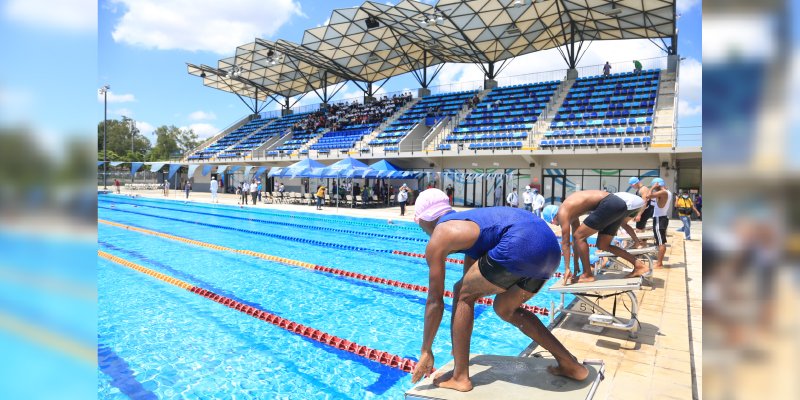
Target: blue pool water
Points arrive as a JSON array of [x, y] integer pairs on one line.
[[156, 340]]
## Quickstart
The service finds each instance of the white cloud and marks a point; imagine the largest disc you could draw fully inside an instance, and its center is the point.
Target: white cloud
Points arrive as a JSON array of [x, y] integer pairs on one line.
[[67, 15], [687, 110], [116, 98], [201, 115], [201, 25], [203, 130], [145, 128], [685, 5], [691, 80]]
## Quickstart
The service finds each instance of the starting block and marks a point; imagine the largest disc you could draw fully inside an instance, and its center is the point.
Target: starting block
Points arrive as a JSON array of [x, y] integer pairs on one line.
[[513, 378], [606, 282]]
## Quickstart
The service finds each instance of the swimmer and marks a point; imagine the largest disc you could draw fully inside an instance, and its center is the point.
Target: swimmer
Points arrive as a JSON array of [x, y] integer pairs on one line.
[[606, 213], [389, 221], [508, 252]]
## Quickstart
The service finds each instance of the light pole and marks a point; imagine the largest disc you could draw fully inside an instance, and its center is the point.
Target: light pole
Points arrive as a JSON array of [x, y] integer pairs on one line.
[[104, 91]]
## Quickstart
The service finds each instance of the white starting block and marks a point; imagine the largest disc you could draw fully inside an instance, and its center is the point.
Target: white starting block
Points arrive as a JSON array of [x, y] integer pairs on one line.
[[645, 254], [606, 282], [625, 241], [513, 378]]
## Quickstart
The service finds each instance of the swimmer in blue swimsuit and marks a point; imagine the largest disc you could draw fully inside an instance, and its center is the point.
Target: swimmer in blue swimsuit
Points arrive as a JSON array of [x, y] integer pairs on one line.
[[508, 252]]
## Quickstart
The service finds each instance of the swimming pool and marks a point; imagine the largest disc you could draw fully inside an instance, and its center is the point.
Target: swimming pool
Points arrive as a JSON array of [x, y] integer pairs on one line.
[[156, 340]]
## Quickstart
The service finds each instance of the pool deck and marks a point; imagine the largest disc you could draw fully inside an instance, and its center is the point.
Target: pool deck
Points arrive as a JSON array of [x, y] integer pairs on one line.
[[663, 362]]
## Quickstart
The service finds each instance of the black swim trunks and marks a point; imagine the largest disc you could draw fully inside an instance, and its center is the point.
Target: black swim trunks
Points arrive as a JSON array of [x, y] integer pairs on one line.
[[608, 216], [660, 229], [646, 215], [500, 276]]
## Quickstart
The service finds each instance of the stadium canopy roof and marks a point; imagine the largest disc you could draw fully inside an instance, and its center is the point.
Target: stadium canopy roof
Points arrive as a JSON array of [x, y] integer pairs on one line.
[[376, 41]]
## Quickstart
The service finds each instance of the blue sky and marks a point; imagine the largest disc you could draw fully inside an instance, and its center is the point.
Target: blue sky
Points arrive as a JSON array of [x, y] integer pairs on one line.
[[141, 48]]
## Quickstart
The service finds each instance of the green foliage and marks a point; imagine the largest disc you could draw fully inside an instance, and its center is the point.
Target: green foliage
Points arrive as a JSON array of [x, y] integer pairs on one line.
[[120, 135], [170, 142]]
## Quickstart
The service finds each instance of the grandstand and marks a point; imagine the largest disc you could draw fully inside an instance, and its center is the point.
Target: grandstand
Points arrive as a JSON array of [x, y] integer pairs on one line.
[[554, 129]]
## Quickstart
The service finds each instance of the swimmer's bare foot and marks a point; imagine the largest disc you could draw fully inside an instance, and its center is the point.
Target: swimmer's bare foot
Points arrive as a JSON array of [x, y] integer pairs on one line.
[[638, 245], [447, 381], [567, 277], [584, 278], [639, 269], [657, 265], [573, 370]]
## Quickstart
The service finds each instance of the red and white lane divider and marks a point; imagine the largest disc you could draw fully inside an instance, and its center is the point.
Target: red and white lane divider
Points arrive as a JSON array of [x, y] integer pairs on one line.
[[385, 358]]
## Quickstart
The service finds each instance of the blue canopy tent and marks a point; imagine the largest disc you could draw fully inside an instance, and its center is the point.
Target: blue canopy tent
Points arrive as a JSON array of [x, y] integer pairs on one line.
[[383, 169], [302, 168], [346, 168]]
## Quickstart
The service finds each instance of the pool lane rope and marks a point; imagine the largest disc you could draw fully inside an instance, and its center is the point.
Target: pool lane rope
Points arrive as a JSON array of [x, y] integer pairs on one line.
[[282, 214], [289, 224], [335, 271], [284, 237], [385, 358]]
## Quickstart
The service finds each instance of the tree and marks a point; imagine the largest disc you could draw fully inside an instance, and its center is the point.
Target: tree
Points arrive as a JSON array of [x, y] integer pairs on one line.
[[119, 135], [172, 142]]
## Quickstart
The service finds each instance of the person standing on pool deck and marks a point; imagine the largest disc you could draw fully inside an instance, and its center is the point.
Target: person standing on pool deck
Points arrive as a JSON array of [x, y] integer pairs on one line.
[[508, 252], [402, 198], [254, 191], [214, 186], [606, 213], [663, 201], [647, 212]]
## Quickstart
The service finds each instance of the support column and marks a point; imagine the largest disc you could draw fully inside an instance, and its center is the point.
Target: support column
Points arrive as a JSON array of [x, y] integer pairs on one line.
[[572, 73], [423, 92], [672, 62]]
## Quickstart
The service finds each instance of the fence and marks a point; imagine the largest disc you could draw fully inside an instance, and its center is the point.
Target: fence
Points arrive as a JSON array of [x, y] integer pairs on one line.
[[623, 66]]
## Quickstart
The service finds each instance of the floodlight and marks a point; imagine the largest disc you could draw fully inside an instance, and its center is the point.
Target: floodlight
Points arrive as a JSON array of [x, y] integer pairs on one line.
[[372, 22]]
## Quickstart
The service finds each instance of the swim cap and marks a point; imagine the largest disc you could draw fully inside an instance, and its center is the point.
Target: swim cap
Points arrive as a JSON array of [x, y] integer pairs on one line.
[[634, 180], [527, 187], [549, 213], [658, 181], [431, 204]]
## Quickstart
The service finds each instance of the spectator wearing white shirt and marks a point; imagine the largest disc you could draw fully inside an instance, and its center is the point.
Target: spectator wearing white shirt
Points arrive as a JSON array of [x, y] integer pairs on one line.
[[245, 192], [214, 186], [538, 202], [527, 199], [512, 198]]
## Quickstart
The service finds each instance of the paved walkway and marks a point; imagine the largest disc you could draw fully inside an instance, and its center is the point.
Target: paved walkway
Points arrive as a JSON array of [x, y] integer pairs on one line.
[[664, 362]]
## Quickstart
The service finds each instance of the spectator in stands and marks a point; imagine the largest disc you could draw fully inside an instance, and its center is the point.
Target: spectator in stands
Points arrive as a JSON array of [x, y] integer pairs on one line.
[[187, 187], [538, 202], [607, 69], [450, 191], [606, 213], [512, 199], [116, 184], [475, 100], [214, 186], [637, 67], [527, 199], [245, 192], [402, 198], [320, 196], [509, 253], [254, 191], [685, 206], [496, 104]]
